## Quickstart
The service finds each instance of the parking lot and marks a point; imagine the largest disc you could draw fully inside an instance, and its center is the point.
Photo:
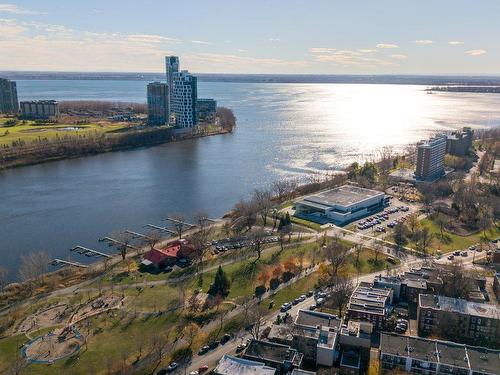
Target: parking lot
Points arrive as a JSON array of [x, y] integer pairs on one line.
[[225, 244], [380, 222]]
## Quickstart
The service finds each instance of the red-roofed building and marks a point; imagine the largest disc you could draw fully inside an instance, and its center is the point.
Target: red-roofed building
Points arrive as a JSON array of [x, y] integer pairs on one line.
[[168, 256]]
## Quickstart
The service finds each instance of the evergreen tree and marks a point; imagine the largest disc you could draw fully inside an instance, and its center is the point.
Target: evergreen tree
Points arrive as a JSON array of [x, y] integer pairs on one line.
[[221, 284]]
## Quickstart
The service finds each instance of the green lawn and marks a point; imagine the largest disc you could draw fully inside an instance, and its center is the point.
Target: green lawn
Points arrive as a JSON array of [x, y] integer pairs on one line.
[[30, 131], [306, 223]]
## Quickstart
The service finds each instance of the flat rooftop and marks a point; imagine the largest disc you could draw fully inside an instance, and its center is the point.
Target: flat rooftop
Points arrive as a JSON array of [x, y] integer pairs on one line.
[[316, 318], [273, 352], [345, 196], [229, 365], [457, 305], [444, 352]]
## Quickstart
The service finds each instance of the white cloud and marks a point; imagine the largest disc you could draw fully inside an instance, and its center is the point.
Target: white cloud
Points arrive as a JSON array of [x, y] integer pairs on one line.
[[387, 45], [367, 50], [241, 50], [201, 42], [274, 39], [222, 63], [399, 56], [321, 50], [475, 52], [148, 38], [15, 9], [39, 46], [349, 58], [455, 42], [424, 42]]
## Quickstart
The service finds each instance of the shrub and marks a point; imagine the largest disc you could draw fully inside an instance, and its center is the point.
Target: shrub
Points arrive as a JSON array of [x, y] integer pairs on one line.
[[260, 290], [287, 276], [274, 283]]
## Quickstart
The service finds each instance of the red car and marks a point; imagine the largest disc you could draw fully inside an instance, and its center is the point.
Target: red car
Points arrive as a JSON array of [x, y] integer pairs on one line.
[[202, 369]]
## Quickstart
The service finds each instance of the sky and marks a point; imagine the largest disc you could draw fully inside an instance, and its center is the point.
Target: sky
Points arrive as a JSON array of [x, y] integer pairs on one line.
[[258, 36]]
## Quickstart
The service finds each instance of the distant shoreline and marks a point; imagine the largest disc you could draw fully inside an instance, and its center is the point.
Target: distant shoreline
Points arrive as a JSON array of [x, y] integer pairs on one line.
[[433, 80]]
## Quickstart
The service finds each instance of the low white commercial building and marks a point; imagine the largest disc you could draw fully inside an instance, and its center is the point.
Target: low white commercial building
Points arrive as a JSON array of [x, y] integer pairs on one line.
[[340, 205]]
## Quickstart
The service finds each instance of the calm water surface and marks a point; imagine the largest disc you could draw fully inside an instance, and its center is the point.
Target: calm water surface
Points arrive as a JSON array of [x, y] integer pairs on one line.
[[284, 130]]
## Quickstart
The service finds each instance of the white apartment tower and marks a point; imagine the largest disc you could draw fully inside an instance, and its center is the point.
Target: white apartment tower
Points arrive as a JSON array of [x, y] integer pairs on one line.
[[183, 99]]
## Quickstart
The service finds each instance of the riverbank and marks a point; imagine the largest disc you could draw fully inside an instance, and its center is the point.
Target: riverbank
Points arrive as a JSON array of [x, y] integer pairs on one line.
[[70, 147]]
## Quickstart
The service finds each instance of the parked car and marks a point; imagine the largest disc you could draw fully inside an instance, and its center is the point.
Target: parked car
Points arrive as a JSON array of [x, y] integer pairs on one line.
[[320, 301], [195, 372], [203, 350], [310, 293], [472, 248], [225, 338], [464, 253], [313, 307], [456, 253], [202, 369], [171, 367], [285, 307], [240, 348], [212, 345]]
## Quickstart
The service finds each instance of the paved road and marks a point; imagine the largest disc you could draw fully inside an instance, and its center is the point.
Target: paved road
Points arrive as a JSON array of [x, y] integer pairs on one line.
[[211, 358]]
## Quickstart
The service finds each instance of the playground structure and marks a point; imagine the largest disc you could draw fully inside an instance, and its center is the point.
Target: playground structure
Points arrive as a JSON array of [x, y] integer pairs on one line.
[[47, 317], [53, 346], [61, 342]]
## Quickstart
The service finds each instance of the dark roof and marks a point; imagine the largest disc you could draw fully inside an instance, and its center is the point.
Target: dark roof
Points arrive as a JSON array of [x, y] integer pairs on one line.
[[316, 318], [350, 358], [270, 351]]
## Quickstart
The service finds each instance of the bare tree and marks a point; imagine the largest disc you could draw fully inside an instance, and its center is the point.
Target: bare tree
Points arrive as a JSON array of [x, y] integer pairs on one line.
[[336, 253], [485, 217], [152, 239], [3, 277], [124, 239], [341, 292], [457, 282], [226, 118], [178, 224], [262, 199], [34, 266], [190, 332], [245, 214], [258, 239], [257, 321], [425, 238]]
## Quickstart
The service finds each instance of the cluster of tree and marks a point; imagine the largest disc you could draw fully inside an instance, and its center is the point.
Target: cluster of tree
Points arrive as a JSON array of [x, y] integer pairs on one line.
[[221, 284], [101, 106], [412, 230], [457, 282], [475, 205], [341, 287], [365, 174], [226, 118], [38, 150], [279, 273]]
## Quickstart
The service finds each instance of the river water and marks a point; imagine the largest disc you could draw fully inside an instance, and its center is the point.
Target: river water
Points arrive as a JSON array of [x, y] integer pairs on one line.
[[284, 130]]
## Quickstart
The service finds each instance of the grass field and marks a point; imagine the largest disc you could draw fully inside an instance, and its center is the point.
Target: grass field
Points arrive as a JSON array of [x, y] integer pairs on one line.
[[306, 223], [451, 241], [116, 336], [29, 131]]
